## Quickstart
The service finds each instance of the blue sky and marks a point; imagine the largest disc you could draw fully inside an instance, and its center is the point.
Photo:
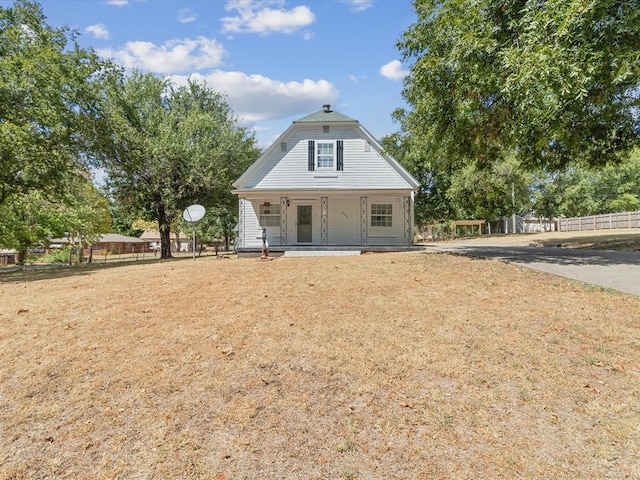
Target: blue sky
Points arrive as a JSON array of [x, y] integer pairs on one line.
[[275, 60]]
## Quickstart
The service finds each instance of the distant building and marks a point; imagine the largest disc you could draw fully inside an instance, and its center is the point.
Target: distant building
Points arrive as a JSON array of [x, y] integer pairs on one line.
[[112, 243], [180, 244]]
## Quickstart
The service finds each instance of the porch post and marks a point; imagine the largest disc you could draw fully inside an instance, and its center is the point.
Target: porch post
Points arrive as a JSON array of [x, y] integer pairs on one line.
[[408, 224], [241, 208], [283, 220], [324, 221], [364, 229]]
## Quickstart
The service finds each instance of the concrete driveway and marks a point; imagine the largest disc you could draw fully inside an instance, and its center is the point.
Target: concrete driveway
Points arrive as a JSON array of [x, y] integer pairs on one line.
[[616, 270]]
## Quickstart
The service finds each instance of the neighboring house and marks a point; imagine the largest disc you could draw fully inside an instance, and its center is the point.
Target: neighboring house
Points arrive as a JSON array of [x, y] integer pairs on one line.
[[7, 257], [113, 243], [325, 182], [180, 244]]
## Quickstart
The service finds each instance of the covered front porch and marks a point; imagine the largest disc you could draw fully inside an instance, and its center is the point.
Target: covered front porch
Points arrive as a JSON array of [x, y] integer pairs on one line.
[[338, 221]]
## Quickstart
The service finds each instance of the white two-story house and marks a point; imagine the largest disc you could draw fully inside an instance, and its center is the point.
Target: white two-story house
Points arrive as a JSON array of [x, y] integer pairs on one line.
[[325, 182]]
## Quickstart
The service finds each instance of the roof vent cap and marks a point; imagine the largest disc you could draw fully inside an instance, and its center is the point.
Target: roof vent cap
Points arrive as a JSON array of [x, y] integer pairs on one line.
[[327, 108]]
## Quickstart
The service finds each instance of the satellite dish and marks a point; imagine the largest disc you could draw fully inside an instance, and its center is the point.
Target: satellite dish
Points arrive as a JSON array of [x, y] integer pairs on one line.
[[193, 213]]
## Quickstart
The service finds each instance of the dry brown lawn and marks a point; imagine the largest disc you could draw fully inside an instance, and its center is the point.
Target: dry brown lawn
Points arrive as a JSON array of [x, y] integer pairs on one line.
[[385, 366]]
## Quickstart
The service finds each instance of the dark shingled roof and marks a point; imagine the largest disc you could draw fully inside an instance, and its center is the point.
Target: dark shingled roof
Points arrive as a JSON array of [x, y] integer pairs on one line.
[[323, 116]]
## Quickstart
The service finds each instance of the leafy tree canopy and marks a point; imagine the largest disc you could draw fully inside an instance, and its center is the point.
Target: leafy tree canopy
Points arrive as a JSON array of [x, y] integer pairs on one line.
[[171, 147], [550, 81], [490, 193], [431, 202], [31, 219], [578, 191], [50, 91]]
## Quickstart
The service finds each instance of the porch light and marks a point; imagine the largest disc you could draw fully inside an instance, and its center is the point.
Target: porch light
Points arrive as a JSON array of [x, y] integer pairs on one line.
[[267, 208]]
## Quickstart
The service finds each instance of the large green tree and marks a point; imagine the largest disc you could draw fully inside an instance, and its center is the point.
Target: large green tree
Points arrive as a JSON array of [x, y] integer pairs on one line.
[[551, 81], [431, 201], [172, 147], [578, 191], [490, 193], [50, 92], [468, 191], [31, 219]]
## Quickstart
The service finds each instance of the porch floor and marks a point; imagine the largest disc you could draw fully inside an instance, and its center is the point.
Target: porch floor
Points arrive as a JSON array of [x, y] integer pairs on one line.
[[326, 250], [320, 253]]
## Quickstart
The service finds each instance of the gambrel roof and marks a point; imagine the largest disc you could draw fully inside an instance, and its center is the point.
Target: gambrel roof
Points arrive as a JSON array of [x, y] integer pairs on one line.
[[283, 166]]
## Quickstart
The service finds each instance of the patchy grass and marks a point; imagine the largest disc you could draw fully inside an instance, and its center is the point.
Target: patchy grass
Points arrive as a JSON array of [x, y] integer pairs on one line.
[[379, 366]]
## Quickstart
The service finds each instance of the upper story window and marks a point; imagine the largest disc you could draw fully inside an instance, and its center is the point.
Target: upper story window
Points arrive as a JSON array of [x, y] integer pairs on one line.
[[324, 156]]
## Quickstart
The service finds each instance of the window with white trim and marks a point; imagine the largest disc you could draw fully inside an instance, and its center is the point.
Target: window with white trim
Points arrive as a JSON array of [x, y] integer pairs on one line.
[[381, 214], [324, 154], [269, 214]]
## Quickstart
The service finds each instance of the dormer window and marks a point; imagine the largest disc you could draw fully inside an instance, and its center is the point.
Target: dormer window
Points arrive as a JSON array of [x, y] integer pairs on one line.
[[324, 154]]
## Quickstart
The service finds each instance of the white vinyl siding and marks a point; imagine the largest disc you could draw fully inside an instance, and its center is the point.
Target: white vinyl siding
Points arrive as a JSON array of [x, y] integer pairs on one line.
[[393, 233], [252, 232], [344, 221], [361, 170]]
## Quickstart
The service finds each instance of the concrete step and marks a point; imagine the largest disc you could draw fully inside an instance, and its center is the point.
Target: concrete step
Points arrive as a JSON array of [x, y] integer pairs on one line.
[[320, 253]]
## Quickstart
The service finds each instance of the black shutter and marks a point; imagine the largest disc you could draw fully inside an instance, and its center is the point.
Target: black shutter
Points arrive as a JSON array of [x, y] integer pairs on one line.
[[312, 155], [340, 158]]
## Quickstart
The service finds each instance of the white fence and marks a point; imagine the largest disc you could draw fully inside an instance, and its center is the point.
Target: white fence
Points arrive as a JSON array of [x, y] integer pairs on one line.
[[607, 221]]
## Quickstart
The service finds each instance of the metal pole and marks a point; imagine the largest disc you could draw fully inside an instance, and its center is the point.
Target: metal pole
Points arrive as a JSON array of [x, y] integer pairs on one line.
[[513, 202], [193, 247]]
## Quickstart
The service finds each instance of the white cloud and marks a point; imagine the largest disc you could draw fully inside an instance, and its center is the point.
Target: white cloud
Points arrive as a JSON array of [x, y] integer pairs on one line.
[[98, 30], [185, 16], [257, 16], [393, 70], [118, 3], [256, 98], [358, 5], [174, 56]]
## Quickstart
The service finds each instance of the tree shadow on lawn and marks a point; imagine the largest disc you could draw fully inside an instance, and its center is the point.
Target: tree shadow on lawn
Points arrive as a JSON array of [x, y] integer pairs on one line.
[[32, 273], [613, 242], [550, 255]]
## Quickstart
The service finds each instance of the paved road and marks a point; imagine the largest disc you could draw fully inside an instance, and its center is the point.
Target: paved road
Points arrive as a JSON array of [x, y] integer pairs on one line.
[[617, 270]]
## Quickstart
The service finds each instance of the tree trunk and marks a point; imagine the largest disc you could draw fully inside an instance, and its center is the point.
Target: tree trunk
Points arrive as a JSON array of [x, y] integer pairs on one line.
[[165, 234], [22, 256]]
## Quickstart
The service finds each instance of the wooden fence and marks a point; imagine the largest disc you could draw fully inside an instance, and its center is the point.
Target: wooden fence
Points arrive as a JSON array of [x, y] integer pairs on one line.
[[607, 221]]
